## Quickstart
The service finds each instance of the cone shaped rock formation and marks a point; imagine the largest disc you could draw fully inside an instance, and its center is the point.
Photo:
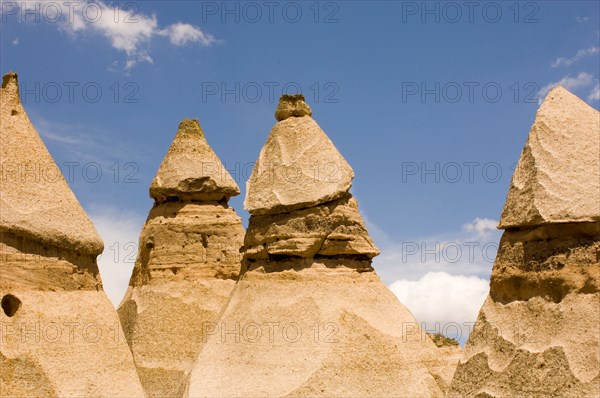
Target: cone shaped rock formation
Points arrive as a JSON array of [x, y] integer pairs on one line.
[[298, 167], [29, 172], [557, 177], [60, 334], [191, 169], [538, 332], [187, 265], [293, 306], [309, 316]]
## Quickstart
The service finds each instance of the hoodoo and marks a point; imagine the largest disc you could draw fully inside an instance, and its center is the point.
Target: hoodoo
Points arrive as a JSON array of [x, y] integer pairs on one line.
[[538, 332], [309, 316], [60, 334], [187, 265]]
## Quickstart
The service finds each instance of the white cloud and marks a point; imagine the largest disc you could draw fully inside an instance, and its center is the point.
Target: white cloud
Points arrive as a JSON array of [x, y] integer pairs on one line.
[[119, 231], [583, 79], [582, 19], [578, 56], [447, 304], [482, 226], [127, 31], [443, 279], [181, 33], [468, 251], [15, 42], [124, 35], [594, 94]]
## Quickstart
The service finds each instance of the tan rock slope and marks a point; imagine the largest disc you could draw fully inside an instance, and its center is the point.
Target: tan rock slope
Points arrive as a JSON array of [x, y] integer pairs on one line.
[[187, 265], [60, 335], [309, 316], [538, 332], [557, 177], [449, 352]]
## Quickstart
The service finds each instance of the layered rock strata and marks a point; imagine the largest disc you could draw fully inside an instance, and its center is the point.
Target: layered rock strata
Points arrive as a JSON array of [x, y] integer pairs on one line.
[[187, 265], [309, 316], [538, 332], [60, 335]]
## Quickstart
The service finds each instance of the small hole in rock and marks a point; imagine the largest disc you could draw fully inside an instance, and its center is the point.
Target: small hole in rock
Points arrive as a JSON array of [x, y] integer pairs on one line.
[[14, 112], [10, 304]]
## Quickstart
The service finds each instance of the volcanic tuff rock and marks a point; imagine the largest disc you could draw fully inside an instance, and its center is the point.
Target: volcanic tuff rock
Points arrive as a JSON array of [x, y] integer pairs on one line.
[[60, 334], [329, 229], [187, 265], [309, 316], [292, 105], [30, 172], [538, 332], [558, 175], [298, 166], [191, 169], [449, 352]]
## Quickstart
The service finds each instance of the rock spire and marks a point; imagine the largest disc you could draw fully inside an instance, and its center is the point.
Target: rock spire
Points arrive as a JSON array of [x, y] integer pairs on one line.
[[187, 265], [537, 333], [60, 334], [309, 316]]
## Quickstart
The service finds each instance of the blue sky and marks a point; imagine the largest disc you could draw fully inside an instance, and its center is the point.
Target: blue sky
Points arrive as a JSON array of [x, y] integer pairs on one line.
[[430, 102]]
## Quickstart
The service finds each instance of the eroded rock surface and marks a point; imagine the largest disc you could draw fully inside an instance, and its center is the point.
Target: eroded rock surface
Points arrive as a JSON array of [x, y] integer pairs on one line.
[[557, 178], [331, 229], [298, 167], [292, 105], [191, 169], [29, 172], [61, 336], [538, 332], [309, 315], [187, 265]]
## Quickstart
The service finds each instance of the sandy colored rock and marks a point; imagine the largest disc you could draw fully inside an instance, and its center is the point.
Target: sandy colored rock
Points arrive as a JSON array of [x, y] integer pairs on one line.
[[29, 173], [65, 344], [187, 265], [191, 169], [322, 328], [309, 315], [298, 167], [538, 332], [61, 336], [449, 353], [557, 178], [332, 229], [292, 106]]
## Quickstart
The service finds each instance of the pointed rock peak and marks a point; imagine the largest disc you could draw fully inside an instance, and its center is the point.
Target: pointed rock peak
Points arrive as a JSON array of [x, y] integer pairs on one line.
[[292, 105], [190, 127], [558, 100], [557, 179], [297, 167], [10, 83], [191, 169], [10, 93], [35, 199]]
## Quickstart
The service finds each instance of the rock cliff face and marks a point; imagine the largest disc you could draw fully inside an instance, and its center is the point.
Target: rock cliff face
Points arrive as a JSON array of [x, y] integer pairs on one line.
[[60, 334], [187, 265], [538, 332], [309, 316]]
